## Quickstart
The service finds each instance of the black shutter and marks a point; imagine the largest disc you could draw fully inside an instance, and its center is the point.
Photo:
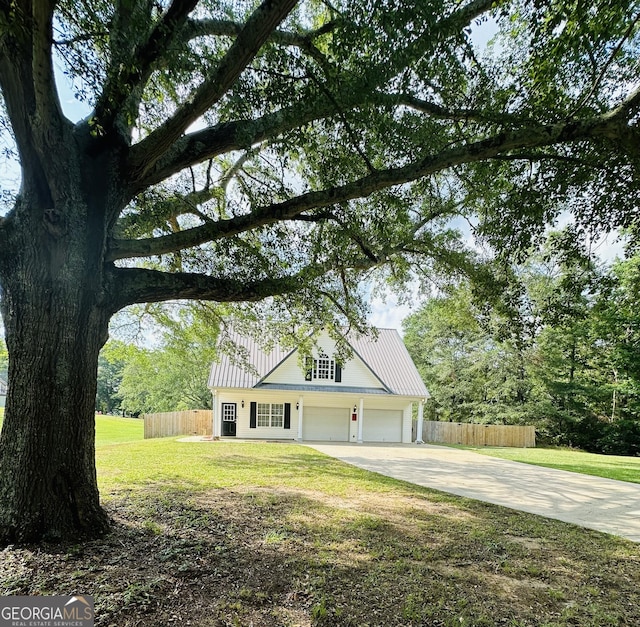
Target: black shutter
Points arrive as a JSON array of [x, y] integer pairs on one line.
[[309, 368], [287, 415], [338, 377], [253, 415]]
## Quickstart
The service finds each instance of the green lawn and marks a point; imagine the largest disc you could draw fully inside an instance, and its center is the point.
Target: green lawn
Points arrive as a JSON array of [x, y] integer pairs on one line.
[[112, 429], [609, 466], [220, 534], [115, 430]]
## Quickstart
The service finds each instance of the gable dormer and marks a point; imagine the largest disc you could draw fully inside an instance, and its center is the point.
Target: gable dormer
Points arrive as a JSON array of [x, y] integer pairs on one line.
[[323, 368]]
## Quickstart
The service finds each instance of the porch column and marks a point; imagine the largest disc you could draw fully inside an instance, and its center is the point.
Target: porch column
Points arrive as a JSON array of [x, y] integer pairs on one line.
[[360, 419], [300, 415], [215, 419], [420, 421]]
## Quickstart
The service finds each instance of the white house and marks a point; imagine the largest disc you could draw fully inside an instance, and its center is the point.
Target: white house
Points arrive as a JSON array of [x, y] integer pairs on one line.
[[369, 398]]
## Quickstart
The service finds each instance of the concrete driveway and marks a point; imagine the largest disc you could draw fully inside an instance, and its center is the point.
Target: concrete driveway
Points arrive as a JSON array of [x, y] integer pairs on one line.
[[602, 504]]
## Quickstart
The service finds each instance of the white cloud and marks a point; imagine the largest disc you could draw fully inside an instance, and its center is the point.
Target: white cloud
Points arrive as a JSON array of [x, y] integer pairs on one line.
[[388, 313]]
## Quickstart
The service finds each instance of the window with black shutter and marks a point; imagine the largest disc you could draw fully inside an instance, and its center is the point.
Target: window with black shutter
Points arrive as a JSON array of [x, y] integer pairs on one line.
[[274, 415], [323, 368]]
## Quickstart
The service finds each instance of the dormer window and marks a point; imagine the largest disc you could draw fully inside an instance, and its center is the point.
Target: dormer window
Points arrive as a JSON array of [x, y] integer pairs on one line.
[[322, 369]]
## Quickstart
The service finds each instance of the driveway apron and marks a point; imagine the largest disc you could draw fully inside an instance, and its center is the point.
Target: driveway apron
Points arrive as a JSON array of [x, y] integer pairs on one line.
[[602, 504]]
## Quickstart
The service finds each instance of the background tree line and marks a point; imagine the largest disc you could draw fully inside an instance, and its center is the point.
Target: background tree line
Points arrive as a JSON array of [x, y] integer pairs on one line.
[[554, 343], [167, 370]]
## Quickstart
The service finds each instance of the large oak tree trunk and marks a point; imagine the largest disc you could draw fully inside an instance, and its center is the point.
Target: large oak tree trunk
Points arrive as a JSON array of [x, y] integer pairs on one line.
[[55, 326]]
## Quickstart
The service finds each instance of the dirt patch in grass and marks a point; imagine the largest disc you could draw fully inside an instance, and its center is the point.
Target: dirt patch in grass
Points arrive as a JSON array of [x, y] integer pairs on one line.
[[288, 557]]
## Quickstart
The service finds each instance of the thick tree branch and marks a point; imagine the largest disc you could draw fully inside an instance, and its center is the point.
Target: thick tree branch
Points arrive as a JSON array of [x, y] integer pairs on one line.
[[29, 92], [136, 71], [228, 28], [624, 115], [499, 145], [222, 138], [46, 98], [141, 285], [628, 107], [155, 158], [227, 137], [302, 40], [251, 38]]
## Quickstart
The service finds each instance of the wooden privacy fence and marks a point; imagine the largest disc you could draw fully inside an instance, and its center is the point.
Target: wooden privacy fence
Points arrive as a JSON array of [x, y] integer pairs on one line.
[[191, 422], [478, 435]]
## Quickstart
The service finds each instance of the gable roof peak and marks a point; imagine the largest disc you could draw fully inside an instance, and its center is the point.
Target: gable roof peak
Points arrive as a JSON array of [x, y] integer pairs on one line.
[[382, 352]]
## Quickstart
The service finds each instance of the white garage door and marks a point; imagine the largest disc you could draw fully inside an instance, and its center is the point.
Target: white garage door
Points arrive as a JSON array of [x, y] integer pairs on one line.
[[325, 423], [382, 425]]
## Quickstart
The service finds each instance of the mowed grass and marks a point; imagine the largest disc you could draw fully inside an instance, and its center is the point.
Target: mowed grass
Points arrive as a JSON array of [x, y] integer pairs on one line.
[[111, 429], [608, 466], [115, 430], [278, 535]]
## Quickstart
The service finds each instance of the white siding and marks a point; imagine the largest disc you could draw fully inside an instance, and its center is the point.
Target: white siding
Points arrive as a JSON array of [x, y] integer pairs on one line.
[[243, 430], [354, 373], [326, 415], [287, 372]]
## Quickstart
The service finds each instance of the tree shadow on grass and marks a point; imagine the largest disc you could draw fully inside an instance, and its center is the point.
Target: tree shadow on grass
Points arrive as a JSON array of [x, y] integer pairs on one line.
[[269, 556]]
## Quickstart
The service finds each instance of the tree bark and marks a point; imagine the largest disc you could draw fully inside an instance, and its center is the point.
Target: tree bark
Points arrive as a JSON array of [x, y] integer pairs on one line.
[[55, 325]]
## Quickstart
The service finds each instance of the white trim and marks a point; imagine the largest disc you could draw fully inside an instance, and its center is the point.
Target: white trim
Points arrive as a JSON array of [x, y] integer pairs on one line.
[[360, 420], [270, 415], [420, 422], [216, 426], [300, 416]]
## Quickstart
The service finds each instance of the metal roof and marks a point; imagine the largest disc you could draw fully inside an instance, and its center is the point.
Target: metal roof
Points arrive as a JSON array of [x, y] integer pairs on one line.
[[233, 373], [386, 356]]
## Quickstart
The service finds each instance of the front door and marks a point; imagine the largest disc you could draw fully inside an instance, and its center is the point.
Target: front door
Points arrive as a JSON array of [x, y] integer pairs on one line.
[[228, 419]]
